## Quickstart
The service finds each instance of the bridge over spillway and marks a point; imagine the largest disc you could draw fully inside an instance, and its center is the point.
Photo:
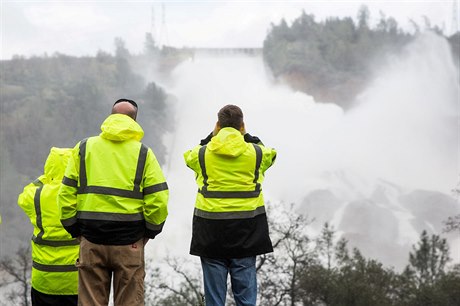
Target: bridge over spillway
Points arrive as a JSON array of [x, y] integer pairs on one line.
[[170, 57], [227, 51]]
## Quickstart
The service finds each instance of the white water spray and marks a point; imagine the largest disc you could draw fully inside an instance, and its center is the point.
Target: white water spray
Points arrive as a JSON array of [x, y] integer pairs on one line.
[[403, 130]]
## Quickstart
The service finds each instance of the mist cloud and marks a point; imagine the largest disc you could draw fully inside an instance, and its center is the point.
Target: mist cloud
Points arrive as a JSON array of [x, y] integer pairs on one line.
[[403, 130]]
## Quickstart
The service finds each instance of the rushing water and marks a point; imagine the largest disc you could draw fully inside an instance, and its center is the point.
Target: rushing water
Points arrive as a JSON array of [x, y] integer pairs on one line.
[[404, 130]]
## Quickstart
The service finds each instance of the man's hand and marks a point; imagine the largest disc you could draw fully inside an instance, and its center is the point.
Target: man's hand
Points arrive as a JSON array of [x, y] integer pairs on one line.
[[252, 139], [206, 140]]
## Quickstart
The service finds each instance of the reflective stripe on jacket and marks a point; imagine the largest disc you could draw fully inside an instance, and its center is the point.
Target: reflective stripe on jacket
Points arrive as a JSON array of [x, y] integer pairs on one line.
[[229, 218], [114, 191], [54, 251]]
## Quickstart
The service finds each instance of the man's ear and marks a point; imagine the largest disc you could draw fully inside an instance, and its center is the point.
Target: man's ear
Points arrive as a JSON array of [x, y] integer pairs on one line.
[[242, 129], [216, 129]]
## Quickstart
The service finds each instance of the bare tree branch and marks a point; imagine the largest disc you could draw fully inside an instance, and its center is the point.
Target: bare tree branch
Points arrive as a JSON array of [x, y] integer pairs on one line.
[[19, 272]]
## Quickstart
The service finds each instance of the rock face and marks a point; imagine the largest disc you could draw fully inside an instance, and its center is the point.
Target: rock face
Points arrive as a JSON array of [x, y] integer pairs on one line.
[[429, 209], [382, 220]]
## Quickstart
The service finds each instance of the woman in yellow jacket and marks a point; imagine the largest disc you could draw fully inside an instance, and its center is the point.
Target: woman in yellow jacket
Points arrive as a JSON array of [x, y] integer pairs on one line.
[[54, 251]]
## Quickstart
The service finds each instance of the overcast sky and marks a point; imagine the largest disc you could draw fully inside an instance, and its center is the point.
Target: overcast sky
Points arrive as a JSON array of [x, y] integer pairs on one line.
[[84, 27]]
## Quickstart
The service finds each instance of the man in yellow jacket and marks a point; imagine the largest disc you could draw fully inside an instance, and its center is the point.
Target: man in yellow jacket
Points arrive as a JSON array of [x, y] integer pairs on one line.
[[114, 198], [54, 251], [230, 224]]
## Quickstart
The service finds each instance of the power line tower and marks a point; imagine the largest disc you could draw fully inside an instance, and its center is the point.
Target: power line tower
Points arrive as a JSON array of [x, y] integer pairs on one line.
[[152, 22], [164, 29], [455, 12], [159, 32]]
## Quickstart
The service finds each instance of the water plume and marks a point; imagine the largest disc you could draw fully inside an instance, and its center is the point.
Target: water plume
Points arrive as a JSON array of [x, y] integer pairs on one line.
[[403, 129]]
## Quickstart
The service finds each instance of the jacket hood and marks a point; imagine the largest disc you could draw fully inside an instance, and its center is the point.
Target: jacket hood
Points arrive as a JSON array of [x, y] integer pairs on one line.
[[56, 164], [229, 142], [119, 127]]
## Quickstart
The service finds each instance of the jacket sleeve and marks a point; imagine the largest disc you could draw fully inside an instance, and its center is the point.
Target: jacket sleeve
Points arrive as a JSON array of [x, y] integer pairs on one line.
[[252, 139], [26, 199], [156, 196], [191, 159], [268, 158], [67, 195], [205, 141]]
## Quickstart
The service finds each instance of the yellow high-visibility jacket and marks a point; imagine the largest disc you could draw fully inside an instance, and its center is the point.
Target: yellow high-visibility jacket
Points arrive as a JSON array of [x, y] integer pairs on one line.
[[229, 218], [114, 191], [54, 251]]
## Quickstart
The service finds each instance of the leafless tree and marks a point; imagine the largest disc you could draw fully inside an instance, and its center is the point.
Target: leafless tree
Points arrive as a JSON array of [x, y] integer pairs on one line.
[[179, 284], [16, 273], [279, 273], [182, 287], [452, 224]]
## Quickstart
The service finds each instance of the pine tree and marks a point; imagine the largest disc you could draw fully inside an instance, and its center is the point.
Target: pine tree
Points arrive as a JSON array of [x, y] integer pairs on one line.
[[428, 260]]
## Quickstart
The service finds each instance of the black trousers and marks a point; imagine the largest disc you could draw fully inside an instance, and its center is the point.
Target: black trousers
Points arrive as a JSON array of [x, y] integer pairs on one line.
[[43, 299]]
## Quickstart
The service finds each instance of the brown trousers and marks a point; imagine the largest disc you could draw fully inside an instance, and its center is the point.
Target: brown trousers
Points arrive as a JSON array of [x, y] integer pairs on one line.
[[96, 265]]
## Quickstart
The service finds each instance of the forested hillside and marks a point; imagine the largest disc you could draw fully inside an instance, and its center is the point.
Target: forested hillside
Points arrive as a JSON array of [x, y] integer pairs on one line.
[[454, 41], [333, 60], [58, 100]]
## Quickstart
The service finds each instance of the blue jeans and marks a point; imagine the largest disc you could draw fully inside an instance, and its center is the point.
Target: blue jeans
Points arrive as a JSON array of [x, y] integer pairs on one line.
[[242, 275]]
